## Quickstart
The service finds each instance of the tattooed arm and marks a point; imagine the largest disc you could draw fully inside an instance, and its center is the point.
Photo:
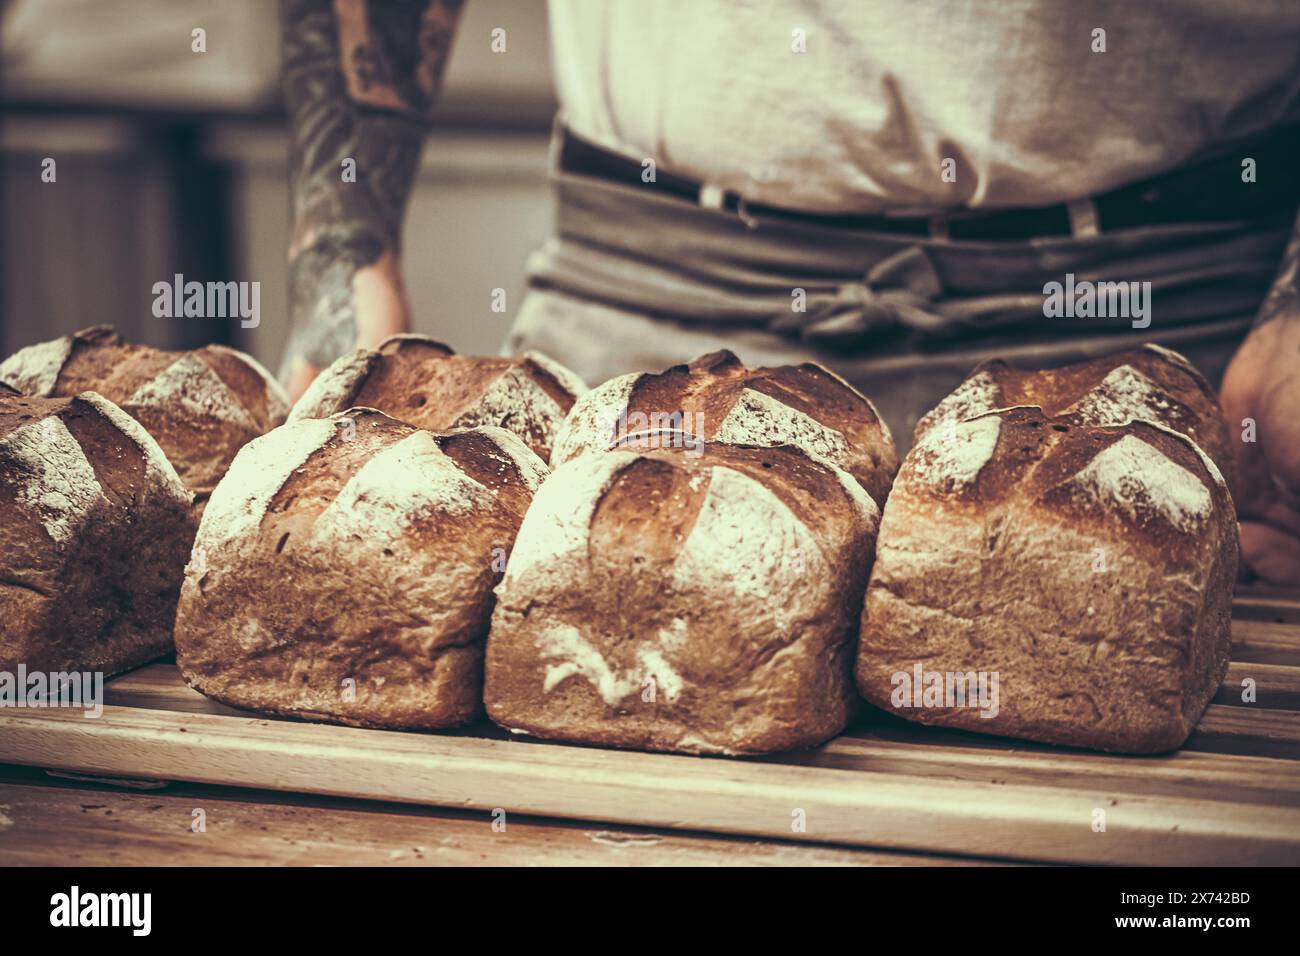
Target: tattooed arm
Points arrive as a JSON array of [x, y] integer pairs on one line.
[[1262, 385], [360, 79]]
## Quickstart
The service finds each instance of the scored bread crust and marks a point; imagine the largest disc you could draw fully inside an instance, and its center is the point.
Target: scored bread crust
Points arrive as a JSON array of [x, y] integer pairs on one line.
[[201, 406], [1089, 567], [1151, 383], [802, 405], [95, 528], [421, 381], [343, 570], [664, 601]]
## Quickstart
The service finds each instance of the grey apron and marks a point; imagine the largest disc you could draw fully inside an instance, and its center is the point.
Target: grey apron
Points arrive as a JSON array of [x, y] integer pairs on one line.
[[636, 279]]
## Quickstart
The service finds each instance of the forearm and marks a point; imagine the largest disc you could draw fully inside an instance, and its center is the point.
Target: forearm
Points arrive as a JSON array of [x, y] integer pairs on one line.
[[360, 82]]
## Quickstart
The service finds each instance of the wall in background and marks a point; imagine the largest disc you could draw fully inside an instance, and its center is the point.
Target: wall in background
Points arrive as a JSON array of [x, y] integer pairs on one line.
[[127, 209], [169, 161]]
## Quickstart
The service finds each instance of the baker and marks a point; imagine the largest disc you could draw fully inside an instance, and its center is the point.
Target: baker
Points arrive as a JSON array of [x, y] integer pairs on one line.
[[885, 188]]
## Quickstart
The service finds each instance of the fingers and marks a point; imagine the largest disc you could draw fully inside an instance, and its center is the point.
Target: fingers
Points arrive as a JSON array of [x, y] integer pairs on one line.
[[1261, 404], [1279, 412], [1261, 397], [1239, 396], [1271, 554], [372, 306]]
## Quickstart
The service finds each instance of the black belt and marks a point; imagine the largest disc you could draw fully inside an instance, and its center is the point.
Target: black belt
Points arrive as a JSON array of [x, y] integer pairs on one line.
[[1207, 191]]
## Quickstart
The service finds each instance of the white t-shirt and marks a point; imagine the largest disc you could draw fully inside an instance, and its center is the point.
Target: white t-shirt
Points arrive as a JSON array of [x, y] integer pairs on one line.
[[1011, 91]]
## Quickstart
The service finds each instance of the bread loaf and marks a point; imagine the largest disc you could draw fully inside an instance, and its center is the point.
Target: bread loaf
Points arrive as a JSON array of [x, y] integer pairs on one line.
[[343, 570], [423, 382], [717, 398], [666, 601], [95, 528], [1152, 383], [1081, 573], [201, 406]]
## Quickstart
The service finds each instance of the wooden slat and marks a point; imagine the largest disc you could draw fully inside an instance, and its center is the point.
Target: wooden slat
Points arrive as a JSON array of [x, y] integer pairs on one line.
[[1276, 687], [1248, 731], [1186, 773], [1270, 604], [1265, 642], [886, 783], [161, 687], [890, 810], [936, 753], [1266, 734], [88, 825], [1245, 731]]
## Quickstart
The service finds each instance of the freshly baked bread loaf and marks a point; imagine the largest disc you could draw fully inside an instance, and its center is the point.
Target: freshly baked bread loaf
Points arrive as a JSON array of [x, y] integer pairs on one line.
[[1151, 383], [667, 601], [344, 567], [201, 406], [1082, 573], [95, 527], [423, 382], [717, 398]]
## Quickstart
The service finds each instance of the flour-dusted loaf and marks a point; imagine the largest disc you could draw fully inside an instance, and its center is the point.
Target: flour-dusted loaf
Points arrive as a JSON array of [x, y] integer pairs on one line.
[[201, 406], [421, 381], [1087, 568], [344, 568], [696, 603], [95, 528], [716, 397], [1151, 383]]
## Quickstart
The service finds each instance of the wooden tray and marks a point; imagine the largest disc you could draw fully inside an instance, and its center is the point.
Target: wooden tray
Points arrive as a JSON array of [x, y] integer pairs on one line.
[[1230, 796]]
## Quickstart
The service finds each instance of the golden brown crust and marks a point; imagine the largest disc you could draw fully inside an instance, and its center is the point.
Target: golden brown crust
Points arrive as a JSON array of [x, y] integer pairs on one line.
[[344, 571], [665, 601], [1150, 383], [1089, 567], [95, 527], [201, 406], [716, 397], [422, 382]]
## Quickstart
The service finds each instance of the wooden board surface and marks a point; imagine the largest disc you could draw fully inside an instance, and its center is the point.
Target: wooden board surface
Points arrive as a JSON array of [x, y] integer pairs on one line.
[[1230, 796], [46, 821]]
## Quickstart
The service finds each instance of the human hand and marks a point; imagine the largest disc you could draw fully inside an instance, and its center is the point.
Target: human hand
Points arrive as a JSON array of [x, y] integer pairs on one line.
[[1262, 387], [374, 304]]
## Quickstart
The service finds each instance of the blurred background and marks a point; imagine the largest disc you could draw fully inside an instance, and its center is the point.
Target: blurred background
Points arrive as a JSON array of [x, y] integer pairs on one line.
[[173, 161]]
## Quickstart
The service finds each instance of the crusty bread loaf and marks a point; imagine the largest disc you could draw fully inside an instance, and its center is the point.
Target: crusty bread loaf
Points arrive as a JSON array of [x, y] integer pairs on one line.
[[422, 382], [716, 397], [1151, 383], [665, 601], [1088, 567], [201, 406], [344, 567], [95, 527]]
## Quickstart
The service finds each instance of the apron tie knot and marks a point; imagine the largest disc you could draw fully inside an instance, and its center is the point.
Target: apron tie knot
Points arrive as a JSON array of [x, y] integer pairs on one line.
[[896, 294]]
